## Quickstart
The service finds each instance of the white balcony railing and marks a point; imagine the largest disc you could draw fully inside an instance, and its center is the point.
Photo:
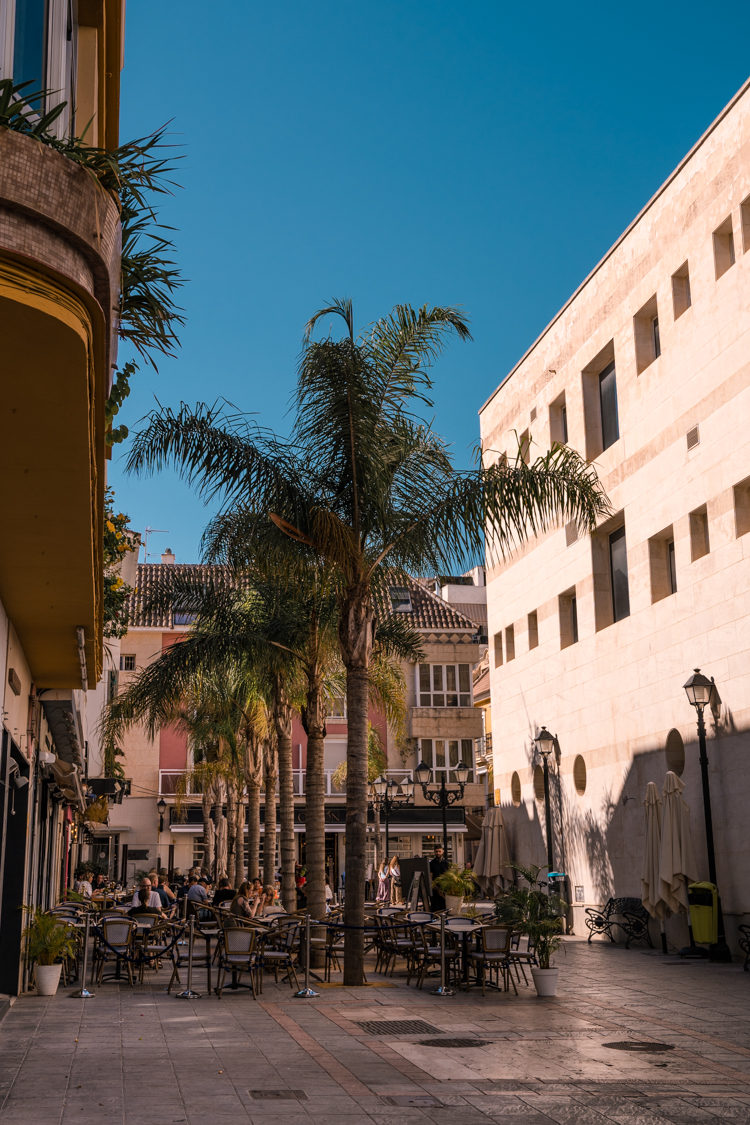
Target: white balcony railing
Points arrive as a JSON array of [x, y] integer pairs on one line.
[[168, 781]]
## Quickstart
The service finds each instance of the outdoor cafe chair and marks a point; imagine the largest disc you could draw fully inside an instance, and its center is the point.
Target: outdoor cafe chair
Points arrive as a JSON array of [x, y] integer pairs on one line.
[[116, 944], [238, 956], [519, 957], [156, 943], [278, 949], [494, 954], [427, 955], [334, 950]]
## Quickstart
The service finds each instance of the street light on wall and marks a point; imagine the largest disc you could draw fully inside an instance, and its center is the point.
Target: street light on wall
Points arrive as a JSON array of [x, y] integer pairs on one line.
[[698, 690], [546, 743], [388, 795]]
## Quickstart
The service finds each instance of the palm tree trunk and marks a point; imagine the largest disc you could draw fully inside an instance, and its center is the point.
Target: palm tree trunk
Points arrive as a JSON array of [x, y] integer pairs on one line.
[[208, 851], [356, 621], [282, 717], [231, 833], [253, 829], [270, 777], [241, 871], [314, 720], [218, 813]]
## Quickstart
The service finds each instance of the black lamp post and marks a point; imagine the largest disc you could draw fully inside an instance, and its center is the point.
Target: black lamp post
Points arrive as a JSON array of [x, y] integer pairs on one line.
[[161, 808], [443, 795], [546, 742], [698, 690], [388, 795]]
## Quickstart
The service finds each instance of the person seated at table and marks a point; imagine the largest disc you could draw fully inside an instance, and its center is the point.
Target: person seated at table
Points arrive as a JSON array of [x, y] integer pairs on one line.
[[144, 906], [153, 898], [83, 886], [197, 890], [165, 892], [245, 903], [266, 899], [223, 893], [99, 884]]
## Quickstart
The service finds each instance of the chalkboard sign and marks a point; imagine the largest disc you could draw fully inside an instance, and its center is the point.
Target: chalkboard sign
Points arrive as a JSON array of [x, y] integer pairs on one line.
[[416, 881]]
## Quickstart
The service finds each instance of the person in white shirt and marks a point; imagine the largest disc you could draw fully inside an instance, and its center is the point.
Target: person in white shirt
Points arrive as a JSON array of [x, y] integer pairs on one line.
[[153, 898], [84, 887]]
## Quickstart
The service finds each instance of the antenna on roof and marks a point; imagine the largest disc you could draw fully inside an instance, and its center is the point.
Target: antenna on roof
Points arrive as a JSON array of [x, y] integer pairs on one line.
[[146, 533]]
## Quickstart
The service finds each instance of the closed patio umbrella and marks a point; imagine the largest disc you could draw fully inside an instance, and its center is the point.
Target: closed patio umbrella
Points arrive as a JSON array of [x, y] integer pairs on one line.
[[677, 864], [651, 879], [492, 864]]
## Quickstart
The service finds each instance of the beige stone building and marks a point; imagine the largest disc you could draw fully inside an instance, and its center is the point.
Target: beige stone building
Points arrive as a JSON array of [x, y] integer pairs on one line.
[[646, 371]]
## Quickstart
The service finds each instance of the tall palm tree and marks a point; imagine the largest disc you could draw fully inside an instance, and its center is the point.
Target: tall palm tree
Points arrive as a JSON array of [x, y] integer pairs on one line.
[[365, 485]]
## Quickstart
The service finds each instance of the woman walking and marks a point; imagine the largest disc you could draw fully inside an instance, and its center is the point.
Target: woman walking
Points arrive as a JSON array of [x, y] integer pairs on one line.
[[395, 869], [384, 882]]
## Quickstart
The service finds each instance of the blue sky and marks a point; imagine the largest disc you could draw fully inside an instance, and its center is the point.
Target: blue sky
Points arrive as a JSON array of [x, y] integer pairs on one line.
[[473, 153]]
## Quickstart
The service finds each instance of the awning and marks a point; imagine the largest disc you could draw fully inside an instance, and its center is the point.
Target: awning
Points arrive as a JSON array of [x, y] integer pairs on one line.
[[106, 829]]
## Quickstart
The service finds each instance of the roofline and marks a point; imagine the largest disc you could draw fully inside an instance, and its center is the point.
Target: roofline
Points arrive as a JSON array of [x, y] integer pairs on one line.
[[729, 106]]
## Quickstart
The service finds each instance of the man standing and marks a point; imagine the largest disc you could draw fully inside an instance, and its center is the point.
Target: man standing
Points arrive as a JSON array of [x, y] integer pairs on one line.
[[438, 865]]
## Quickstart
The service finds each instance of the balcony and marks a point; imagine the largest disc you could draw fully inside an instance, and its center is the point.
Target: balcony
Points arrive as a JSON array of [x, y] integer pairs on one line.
[[445, 722], [169, 780], [59, 282]]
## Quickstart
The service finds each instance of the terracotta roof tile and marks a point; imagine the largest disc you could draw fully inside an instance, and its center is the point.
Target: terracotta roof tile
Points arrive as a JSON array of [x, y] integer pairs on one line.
[[154, 580]]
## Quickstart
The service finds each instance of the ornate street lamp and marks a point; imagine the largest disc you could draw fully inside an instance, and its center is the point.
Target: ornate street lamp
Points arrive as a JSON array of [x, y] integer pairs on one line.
[[546, 743], [698, 690], [442, 795], [161, 808], [388, 795]]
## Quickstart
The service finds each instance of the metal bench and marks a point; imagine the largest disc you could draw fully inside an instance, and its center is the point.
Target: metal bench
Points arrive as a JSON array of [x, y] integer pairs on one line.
[[628, 913], [745, 943]]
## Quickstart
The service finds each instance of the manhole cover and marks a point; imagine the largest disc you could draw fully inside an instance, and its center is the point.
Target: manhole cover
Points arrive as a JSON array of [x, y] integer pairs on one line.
[[397, 1027], [645, 1048], [278, 1095], [454, 1042], [421, 1100]]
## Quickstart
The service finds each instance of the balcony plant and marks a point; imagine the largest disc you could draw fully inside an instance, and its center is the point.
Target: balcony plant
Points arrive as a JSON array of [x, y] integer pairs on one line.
[[457, 883], [48, 940], [537, 914]]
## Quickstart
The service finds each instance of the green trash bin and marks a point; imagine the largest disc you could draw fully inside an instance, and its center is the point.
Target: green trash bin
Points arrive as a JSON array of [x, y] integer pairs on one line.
[[704, 912]]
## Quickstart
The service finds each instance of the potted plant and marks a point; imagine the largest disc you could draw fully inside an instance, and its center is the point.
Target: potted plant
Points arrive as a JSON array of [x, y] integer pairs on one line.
[[539, 915], [48, 938], [456, 884]]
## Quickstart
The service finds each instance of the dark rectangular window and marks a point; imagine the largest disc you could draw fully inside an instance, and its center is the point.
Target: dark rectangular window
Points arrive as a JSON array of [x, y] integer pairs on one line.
[[564, 424], [671, 568], [29, 44], [656, 337], [618, 561], [608, 403], [574, 620]]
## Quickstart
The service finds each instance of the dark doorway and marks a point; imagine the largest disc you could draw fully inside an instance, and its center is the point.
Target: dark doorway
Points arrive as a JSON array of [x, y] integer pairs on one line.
[[14, 809]]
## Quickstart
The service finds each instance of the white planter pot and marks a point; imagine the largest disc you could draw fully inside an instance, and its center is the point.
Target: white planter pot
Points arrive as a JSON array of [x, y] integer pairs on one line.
[[46, 979], [454, 904], [545, 981]]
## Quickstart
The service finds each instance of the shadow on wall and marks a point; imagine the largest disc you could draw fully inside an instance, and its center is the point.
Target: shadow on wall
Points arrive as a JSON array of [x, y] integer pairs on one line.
[[599, 836]]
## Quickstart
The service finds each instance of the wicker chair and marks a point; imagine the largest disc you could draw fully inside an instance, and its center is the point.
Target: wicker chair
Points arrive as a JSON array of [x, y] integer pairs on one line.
[[117, 946], [278, 951], [495, 954], [428, 955], [238, 956]]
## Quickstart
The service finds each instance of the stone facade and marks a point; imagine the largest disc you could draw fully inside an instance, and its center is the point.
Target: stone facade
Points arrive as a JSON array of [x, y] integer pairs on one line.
[[677, 476]]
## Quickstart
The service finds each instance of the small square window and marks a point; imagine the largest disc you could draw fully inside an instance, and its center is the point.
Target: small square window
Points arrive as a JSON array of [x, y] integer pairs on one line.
[[400, 599], [681, 295], [646, 334], [699, 541], [723, 247], [127, 662]]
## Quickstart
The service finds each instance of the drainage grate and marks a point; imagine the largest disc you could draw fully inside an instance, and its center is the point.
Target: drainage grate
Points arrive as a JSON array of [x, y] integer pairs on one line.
[[277, 1095], [397, 1027], [454, 1042], [423, 1101], [645, 1048]]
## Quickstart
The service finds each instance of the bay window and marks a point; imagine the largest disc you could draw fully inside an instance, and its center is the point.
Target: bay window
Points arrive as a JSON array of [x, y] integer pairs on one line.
[[444, 685]]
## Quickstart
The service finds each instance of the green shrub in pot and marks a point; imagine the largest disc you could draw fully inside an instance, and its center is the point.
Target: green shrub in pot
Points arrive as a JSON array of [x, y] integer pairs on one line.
[[48, 938], [530, 911], [458, 882]]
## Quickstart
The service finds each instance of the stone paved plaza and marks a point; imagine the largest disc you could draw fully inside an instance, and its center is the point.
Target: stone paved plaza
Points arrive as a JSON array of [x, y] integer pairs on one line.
[[142, 1057]]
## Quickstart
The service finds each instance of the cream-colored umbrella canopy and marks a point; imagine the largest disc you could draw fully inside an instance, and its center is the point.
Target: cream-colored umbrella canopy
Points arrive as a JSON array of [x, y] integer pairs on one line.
[[677, 865], [651, 879], [492, 864]]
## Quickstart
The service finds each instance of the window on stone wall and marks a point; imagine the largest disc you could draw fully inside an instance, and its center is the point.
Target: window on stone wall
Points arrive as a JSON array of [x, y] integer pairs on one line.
[[681, 295], [510, 643], [533, 624], [599, 385], [661, 559], [558, 420], [723, 248], [127, 662], [646, 335], [568, 610], [618, 561], [444, 685], [699, 541], [610, 573], [742, 507]]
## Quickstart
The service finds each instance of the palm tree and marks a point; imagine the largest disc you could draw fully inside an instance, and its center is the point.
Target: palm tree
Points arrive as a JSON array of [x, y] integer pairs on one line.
[[366, 487]]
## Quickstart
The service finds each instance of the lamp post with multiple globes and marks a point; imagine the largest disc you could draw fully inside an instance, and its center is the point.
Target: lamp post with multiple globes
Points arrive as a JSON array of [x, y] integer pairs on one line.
[[442, 795]]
